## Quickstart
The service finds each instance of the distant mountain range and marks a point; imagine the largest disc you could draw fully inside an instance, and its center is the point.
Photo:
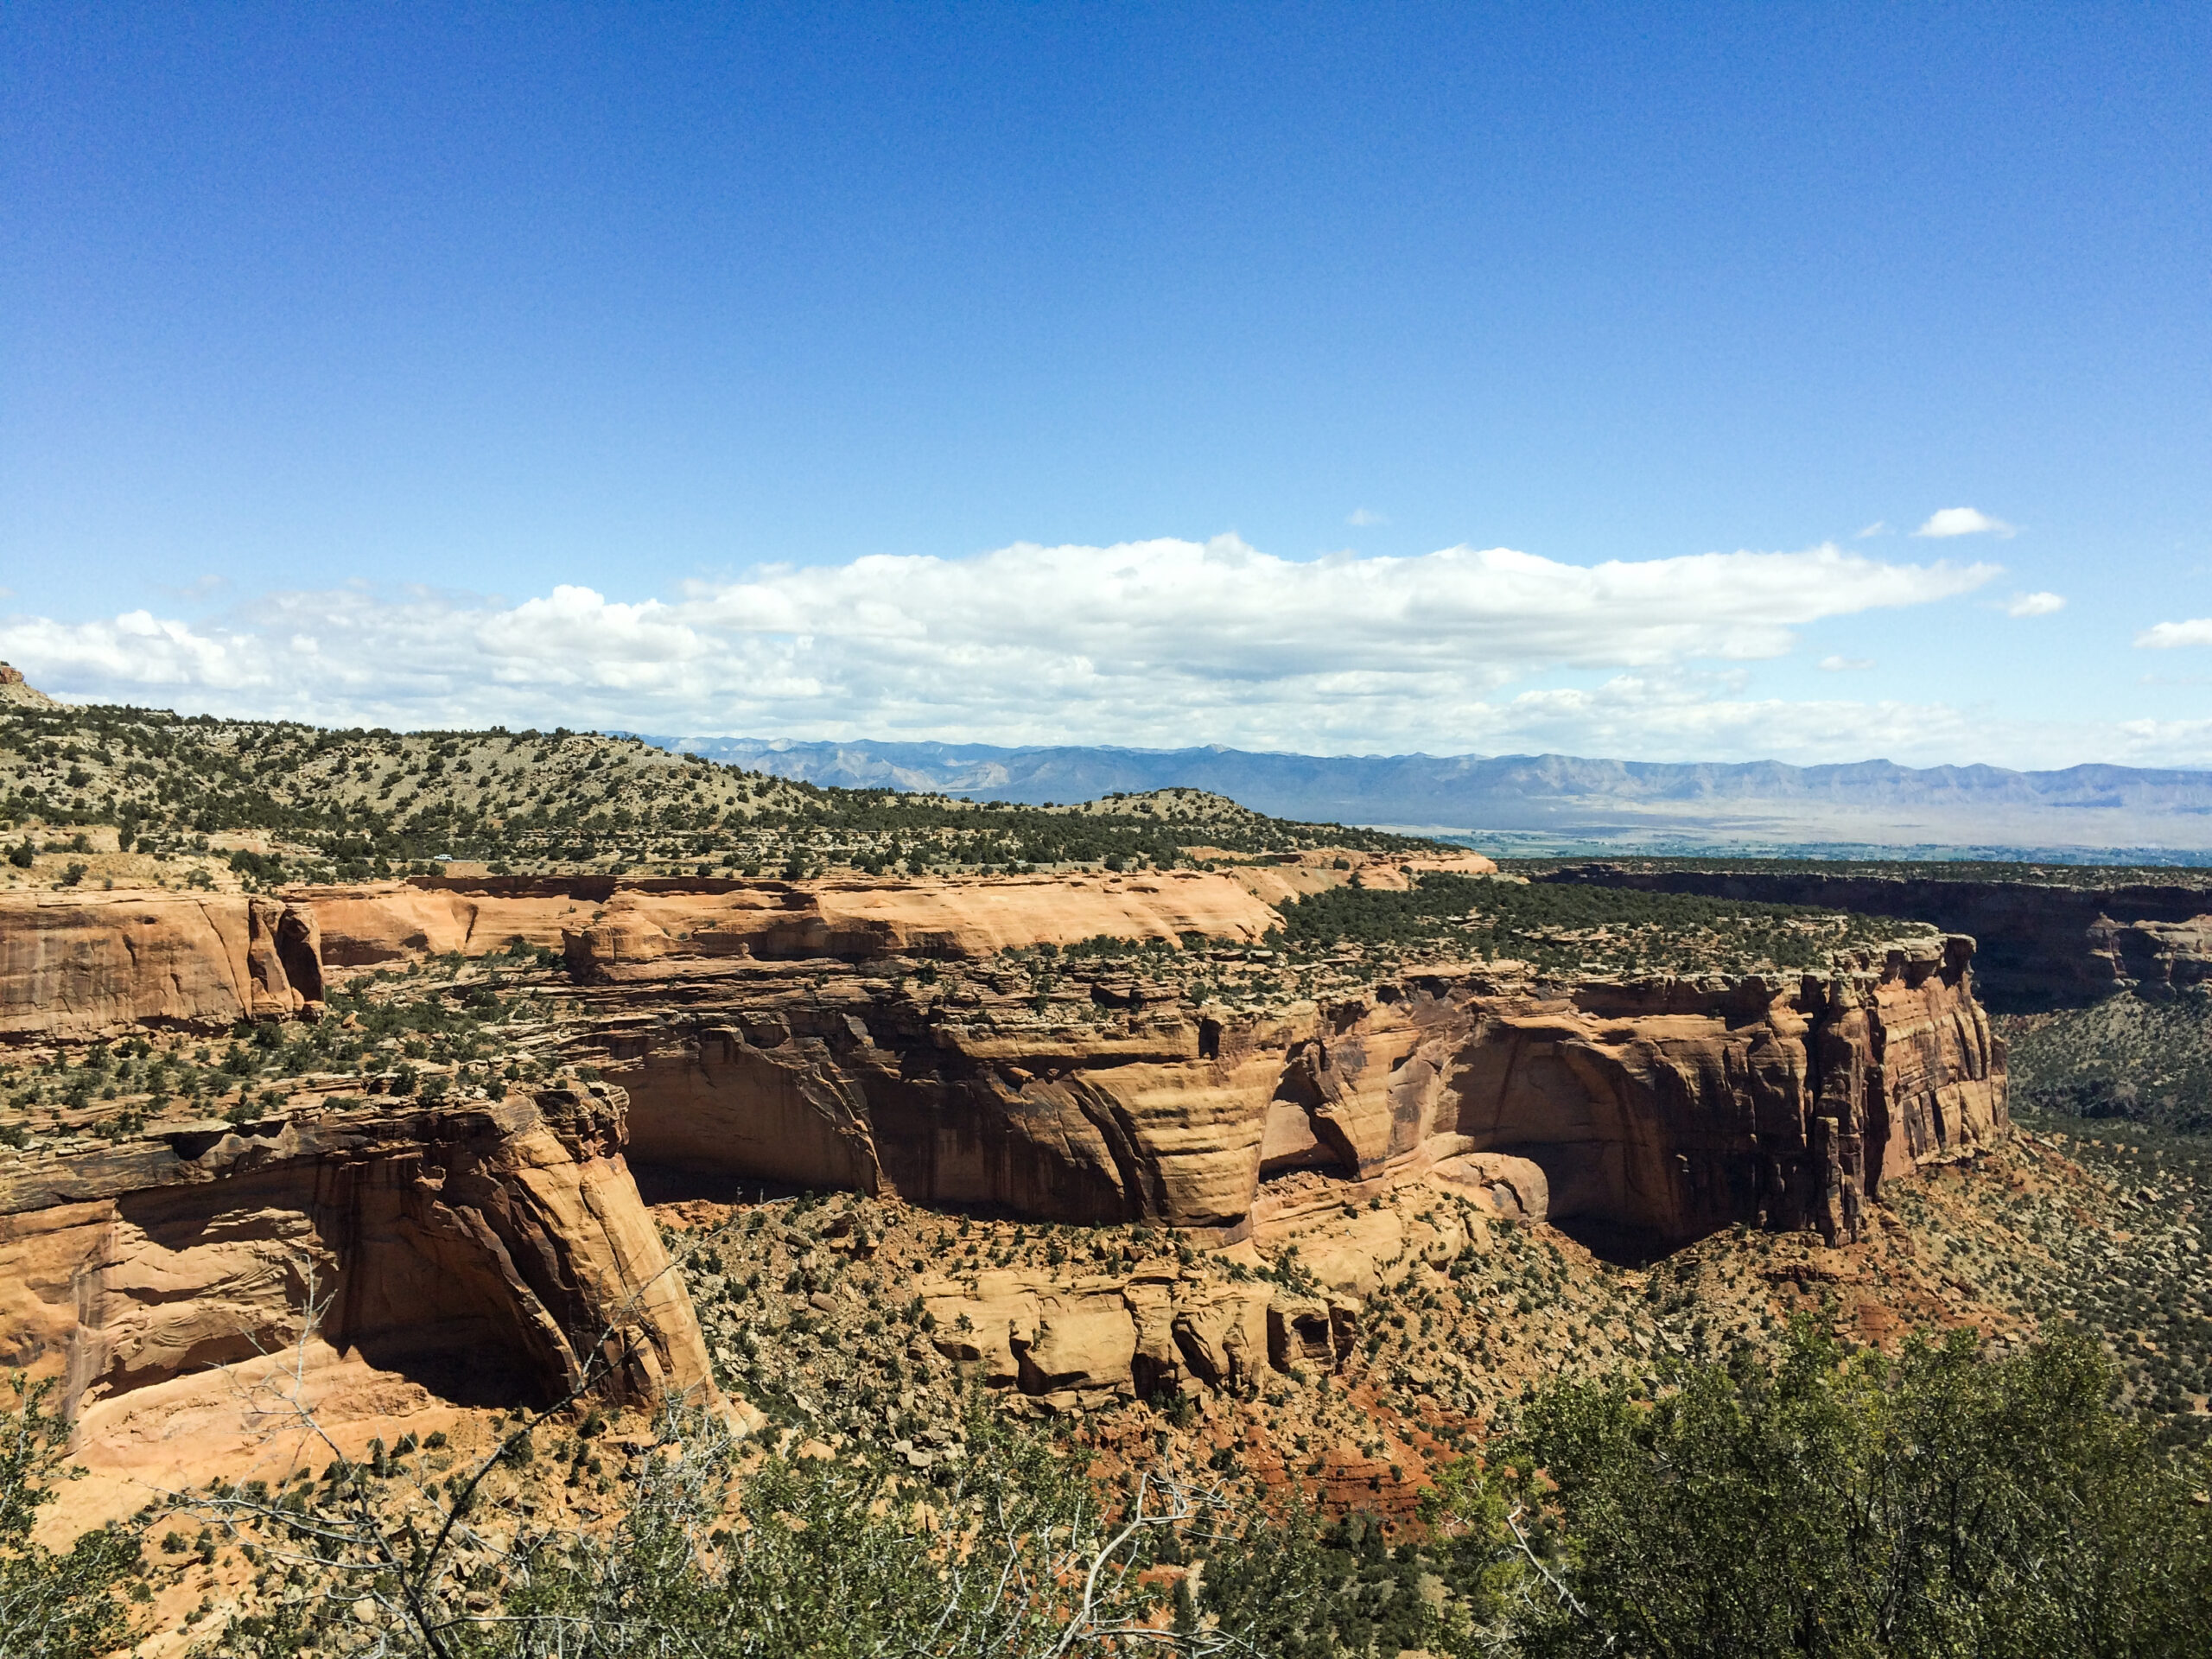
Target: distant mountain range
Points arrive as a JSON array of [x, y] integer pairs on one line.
[[1524, 802]]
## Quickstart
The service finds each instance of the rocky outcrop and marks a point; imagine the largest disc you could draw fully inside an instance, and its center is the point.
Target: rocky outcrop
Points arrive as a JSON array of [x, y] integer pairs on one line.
[[1669, 1110], [1069, 1343], [15, 690], [2039, 945], [1062, 1343], [491, 1253], [75, 967], [601, 922], [1072, 1345]]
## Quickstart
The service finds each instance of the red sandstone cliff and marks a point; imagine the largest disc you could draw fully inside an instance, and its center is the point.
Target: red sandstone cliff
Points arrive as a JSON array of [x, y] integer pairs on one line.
[[1673, 1108], [767, 1033], [497, 1251], [600, 919], [77, 967]]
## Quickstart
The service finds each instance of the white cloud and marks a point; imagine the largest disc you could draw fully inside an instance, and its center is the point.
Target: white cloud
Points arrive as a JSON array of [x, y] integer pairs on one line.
[[2034, 604], [1361, 518], [1963, 521], [2166, 636], [1875, 528], [1159, 643], [1846, 664]]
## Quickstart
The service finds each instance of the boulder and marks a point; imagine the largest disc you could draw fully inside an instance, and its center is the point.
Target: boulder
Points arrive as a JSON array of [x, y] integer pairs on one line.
[[1070, 1345], [1514, 1187]]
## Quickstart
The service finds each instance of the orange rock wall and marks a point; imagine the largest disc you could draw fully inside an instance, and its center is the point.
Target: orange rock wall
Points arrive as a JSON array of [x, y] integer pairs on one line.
[[600, 922], [492, 1253], [81, 966], [1670, 1109]]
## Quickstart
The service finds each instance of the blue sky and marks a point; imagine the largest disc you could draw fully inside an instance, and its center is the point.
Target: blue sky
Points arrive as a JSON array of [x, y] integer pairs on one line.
[[711, 371]]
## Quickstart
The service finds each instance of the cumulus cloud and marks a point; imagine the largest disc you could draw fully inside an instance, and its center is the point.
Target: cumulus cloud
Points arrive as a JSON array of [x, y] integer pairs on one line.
[[1846, 664], [1361, 518], [2034, 604], [2166, 636], [1158, 643], [1963, 521], [1879, 527]]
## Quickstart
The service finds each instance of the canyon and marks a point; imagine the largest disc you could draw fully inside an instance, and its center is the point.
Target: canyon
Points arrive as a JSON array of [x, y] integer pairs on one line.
[[1667, 1110], [961, 1046], [2039, 943]]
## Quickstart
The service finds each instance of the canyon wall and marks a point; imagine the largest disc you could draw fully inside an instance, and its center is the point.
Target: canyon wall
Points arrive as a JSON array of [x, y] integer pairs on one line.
[[773, 1032], [81, 966], [1667, 1110], [2039, 945], [490, 1252], [606, 918]]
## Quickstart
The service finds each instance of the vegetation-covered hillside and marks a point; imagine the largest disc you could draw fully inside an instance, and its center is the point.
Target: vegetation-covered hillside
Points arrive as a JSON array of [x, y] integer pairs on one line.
[[2148, 1059], [318, 803], [1565, 931]]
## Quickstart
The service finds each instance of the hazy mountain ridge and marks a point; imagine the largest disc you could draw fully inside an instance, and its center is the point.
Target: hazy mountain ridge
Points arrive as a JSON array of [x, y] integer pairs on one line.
[[1875, 802]]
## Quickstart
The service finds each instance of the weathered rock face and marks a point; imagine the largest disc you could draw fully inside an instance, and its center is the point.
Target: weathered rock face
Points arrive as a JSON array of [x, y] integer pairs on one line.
[[1678, 1113], [492, 1253], [602, 922], [1670, 1109], [1073, 1345], [81, 966], [2039, 945]]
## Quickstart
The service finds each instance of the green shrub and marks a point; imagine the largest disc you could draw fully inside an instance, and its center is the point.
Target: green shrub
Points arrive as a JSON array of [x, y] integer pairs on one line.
[[1836, 1502], [53, 1604]]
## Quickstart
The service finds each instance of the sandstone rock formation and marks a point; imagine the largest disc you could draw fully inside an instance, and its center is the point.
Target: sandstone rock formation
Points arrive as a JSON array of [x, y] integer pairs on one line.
[[764, 1031], [1075, 1345], [602, 921], [77, 966], [1062, 1343], [870, 1036], [490, 1252], [1669, 1110]]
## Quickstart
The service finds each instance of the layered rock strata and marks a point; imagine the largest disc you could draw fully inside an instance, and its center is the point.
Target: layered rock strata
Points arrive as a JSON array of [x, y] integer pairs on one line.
[[601, 919], [1671, 1108], [492, 1252], [77, 967], [793, 1033]]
